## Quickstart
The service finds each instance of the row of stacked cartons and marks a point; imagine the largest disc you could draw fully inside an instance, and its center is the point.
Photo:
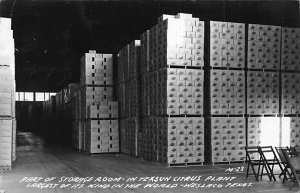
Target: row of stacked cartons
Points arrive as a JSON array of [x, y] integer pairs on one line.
[[228, 139], [173, 91], [262, 92], [96, 128], [172, 79], [290, 52], [227, 91], [264, 46], [7, 95], [172, 85], [180, 140], [77, 133], [290, 61], [227, 44], [290, 100], [129, 97], [295, 131]]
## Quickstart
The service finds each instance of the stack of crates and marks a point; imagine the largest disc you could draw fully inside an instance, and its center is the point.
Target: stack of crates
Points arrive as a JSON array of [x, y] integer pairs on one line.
[[98, 111], [228, 139], [263, 92], [77, 134], [290, 61], [264, 46], [295, 131], [227, 92], [290, 98], [172, 86], [180, 140], [7, 95], [129, 89], [290, 101], [254, 131], [263, 79], [227, 44], [290, 52]]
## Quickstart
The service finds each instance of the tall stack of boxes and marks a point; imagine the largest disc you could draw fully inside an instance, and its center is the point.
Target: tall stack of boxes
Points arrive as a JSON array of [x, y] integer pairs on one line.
[[290, 61], [290, 77], [262, 92], [295, 131], [264, 46], [77, 133], [290, 52], [263, 75], [227, 44], [129, 88], [160, 88], [229, 139], [290, 101], [254, 131], [7, 95], [227, 91], [99, 112], [172, 90]]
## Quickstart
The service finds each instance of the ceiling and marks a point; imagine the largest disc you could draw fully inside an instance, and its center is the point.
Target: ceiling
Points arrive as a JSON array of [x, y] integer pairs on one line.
[[51, 36]]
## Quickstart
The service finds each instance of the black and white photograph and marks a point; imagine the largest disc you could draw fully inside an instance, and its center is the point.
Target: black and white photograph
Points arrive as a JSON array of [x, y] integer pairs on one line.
[[154, 96]]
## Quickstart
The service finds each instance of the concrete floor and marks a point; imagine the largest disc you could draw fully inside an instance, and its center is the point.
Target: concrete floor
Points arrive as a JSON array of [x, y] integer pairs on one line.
[[36, 159]]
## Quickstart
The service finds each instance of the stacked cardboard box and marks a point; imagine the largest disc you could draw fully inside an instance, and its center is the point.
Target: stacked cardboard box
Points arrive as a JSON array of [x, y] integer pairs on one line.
[[295, 131], [172, 84], [173, 140], [227, 44], [149, 139], [228, 139], [227, 92], [98, 111], [130, 142], [129, 89], [145, 56], [290, 99], [264, 46], [290, 52], [180, 140], [254, 131], [263, 92], [173, 91], [77, 134], [96, 69], [7, 95], [290, 61]]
